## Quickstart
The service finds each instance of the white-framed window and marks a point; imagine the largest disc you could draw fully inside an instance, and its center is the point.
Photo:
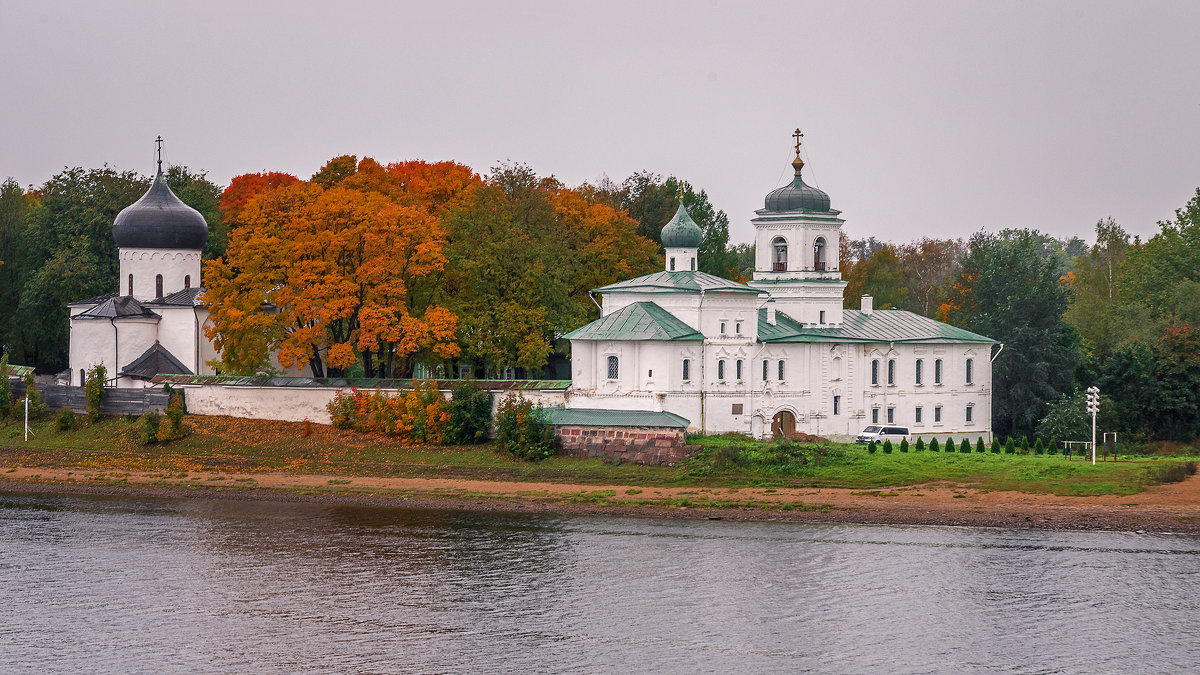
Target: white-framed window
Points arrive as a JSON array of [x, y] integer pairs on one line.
[[937, 413], [721, 369], [187, 281], [891, 415], [722, 328], [891, 372], [687, 370], [779, 249], [837, 404], [874, 415], [822, 316], [917, 372], [781, 370], [917, 415], [937, 371], [874, 371], [766, 369], [738, 367], [672, 264], [970, 412], [970, 372], [158, 286], [693, 263], [737, 328], [613, 368]]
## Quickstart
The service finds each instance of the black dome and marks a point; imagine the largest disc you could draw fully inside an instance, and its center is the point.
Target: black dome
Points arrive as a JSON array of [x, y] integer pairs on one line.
[[797, 196], [160, 220]]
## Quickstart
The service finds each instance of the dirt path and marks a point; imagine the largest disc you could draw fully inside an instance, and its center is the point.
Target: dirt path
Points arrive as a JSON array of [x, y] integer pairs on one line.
[[1171, 507]]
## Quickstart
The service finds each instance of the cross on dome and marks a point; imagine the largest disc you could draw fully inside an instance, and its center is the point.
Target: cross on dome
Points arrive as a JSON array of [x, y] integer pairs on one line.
[[158, 152]]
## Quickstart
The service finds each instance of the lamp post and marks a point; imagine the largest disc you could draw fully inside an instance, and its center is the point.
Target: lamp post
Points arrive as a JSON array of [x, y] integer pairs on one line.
[[1093, 406]]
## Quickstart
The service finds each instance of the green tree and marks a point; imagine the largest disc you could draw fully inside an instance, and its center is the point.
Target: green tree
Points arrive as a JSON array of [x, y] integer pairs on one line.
[[880, 276], [1156, 274], [1094, 307], [1176, 400]]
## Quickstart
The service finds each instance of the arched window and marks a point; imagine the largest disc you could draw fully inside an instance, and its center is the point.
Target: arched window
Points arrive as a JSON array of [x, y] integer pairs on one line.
[[739, 370], [781, 370], [687, 369], [875, 371], [920, 363], [613, 369], [187, 281], [891, 371], [158, 286], [779, 253], [766, 369], [130, 285], [937, 371], [970, 368], [819, 254], [721, 369]]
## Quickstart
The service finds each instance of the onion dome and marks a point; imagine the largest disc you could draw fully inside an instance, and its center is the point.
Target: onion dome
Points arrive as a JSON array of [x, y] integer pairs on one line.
[[797, 195], [682, 231], [160, 220]]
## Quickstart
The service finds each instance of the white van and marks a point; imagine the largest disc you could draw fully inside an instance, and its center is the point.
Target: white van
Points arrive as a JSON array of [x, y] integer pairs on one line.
[[876, 432]]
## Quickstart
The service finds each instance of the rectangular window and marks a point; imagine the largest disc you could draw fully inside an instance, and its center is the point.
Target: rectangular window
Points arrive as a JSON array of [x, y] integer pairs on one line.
[[920, 364], [672, 264], [738, 367], [687, 369], [891, 415], [917, 415], [612, 368], [722, 328], [937, 371], [721, 369], [937, 413], [891, 371], [781, 370], [822, 316], [766, 369], [970, 363], [875, 371], [737, 408], [970, 413], [874, 415], [837, 405]]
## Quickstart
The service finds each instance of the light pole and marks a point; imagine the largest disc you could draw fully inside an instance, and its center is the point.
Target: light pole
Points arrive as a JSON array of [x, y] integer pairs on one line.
[[1093, 406]]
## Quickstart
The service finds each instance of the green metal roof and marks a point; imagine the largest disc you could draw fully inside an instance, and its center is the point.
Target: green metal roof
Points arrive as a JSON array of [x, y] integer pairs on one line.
[[881, 325], [19, 371], [677, 282], [592, 417], [681, 231], [639, 321], [358, 382]]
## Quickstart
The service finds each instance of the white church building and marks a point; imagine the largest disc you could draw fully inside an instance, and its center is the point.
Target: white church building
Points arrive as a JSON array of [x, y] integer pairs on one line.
[[154, 323], [779, 354]]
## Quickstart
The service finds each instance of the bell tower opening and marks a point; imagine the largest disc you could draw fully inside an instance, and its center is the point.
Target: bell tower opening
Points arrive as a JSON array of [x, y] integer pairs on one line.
[[779, 254]]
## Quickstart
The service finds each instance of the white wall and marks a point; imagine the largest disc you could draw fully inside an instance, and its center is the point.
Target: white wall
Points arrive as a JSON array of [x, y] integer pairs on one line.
[[145, 264]]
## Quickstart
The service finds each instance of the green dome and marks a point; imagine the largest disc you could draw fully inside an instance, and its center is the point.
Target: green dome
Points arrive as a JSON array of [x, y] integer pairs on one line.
[[682, 231]]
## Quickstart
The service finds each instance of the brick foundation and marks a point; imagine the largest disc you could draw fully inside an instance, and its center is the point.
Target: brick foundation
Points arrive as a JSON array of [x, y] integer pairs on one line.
[[641, 445]]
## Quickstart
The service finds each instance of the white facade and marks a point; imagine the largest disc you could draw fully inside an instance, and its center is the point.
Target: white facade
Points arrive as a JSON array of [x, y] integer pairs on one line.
[[144, 270]]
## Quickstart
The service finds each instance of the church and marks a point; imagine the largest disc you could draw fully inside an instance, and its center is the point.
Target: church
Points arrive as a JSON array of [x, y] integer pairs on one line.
[[780, 354], [154, 323]]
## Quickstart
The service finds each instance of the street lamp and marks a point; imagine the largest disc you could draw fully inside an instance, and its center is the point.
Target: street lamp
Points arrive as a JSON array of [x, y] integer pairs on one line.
[[1093, 406]]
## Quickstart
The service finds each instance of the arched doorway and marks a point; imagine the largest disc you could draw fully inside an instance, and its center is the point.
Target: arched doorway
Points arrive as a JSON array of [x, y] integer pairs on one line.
[[783, 424]]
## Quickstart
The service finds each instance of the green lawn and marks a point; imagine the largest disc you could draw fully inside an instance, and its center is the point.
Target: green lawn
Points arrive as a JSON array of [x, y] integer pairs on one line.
[[247, 446]]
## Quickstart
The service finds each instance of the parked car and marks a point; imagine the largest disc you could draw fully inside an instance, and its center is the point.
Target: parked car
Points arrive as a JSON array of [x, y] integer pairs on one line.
[[882, 433]]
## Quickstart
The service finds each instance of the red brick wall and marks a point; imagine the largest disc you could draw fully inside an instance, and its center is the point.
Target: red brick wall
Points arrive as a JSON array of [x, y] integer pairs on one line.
[[640, 445]]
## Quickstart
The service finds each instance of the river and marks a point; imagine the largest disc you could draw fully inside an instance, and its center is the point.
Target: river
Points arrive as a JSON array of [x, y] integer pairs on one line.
[[108, 584]]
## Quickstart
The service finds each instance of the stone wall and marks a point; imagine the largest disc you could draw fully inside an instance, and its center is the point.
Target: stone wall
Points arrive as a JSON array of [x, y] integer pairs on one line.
[[641, 445]]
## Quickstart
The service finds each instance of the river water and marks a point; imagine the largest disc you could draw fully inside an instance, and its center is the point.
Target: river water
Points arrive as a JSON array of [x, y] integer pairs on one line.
[[105, 584]]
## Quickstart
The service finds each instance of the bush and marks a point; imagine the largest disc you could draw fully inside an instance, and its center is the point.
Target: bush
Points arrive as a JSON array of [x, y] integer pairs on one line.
[[419, 415], [995, 444], [933, 446], [1009, 446], [66, 417], [5, 387], [903, 445], [887, 447], [871, 447], [920, 445], [1024, 444], [150, 421], [470, 415], [1038, 448], [965, 446], [523, 430], [93, 388], [341, 410], [36, 407], [175, 412], [979, 447]]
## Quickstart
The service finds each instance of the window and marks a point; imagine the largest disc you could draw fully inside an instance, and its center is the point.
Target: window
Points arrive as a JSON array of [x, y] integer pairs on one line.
[[917, 415], [737, 408], [613, 369], [721, 369], [891, 415], [738, 367], [875, 371], [837, 404], [891, 371], [970, 413], [920, 363], [781, 370], [650, 373], [766, 369], [130, 285], [819, 254], [722, 328], [970, 364], [937, 371], [158, 286], [687, 369], [672, 264], [779, 249], [874, 415], [737, 328], [187, 281], [937, 413], [693, 264], [822, 316], [82, 377]]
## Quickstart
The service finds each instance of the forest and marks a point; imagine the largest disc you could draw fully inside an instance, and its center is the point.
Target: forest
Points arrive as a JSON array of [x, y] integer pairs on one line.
[[413, 267]]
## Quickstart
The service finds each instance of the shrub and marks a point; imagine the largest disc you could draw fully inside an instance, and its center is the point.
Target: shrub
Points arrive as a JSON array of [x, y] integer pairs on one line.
[[1038, 448], [420, 415], [150, 420], [93, 388], [995, 444], [920, 444], [5, 387], [933, 446], [903, 445], [964, 446], [36, 407], [341, 410], [1009, 446], [887, 447], [979, 447], [470, 415], [66, 417], [175, 412], [871, 447], [1024, 444], [523, 429]]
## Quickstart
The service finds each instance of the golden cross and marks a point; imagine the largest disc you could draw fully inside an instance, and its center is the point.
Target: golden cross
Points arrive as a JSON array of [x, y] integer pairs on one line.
[[798, 135], [680, 190]]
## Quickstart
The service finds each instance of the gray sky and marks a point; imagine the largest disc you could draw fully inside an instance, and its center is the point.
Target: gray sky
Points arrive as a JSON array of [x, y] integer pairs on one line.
[[921, 119]]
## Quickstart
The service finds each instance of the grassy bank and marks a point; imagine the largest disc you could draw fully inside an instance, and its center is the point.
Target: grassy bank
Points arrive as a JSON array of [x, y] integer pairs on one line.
[[247, 446]]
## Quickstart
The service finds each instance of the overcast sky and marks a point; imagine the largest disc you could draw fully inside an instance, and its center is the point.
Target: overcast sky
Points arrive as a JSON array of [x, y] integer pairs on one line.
[[920, 119]]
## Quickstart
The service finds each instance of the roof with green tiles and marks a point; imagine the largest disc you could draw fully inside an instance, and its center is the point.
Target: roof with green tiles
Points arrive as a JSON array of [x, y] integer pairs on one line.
[[594, 417], [638, 321], [881, 325], [358, 382], [677, 282]]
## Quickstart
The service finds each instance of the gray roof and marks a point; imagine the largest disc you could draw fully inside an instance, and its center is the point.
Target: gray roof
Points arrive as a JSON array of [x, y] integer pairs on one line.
[[638, 321], [677, 282], [797, 196], [154, 361], [117, 307], [188, 297], [95, 300], [681, 231], [591, 417], [881, 325], [160, 220]]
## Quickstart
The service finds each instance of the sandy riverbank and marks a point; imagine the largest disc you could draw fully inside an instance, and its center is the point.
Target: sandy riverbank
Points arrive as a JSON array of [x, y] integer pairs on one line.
[[1173, 507]]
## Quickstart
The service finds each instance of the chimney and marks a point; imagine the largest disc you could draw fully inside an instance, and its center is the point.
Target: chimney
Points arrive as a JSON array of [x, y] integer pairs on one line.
[[771, 313], [867, 304]]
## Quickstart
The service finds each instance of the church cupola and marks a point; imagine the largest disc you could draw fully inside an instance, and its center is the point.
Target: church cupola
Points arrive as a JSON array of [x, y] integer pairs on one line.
[[681, 239], [159, 239], [797, 195]]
